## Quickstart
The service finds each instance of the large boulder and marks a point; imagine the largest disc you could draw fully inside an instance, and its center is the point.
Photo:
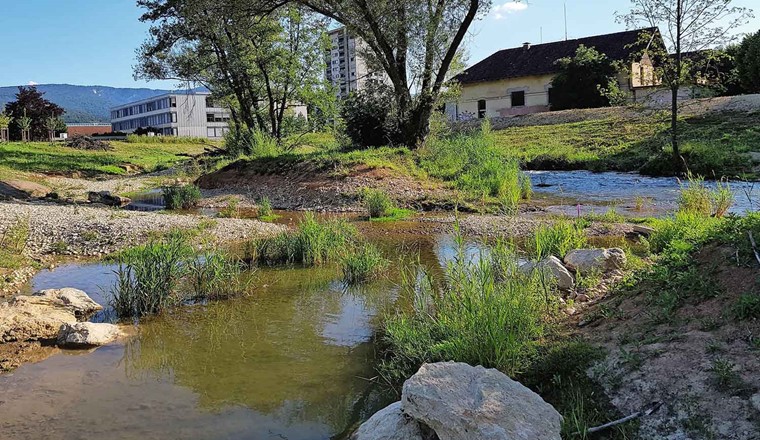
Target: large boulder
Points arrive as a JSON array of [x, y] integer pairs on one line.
[[553, 267], [87, 334], [108, 199], [22, 189], [40, 316], [389, 423], [462, 402], [604, 260]]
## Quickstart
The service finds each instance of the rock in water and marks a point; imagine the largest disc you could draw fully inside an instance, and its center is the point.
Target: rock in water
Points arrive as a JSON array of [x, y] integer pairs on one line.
[[108, 199], [604, 260], [389, 424], [462, 402], [87, 334]]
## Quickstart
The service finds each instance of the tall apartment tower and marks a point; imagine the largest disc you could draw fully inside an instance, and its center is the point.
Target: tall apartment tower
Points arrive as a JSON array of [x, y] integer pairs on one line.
[[346, 69]]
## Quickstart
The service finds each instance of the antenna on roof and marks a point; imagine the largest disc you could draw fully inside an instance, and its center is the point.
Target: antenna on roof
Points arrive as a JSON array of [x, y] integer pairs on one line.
[[564, 7]]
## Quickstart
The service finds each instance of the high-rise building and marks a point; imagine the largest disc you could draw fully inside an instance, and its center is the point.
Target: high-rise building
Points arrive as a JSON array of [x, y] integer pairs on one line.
[[346, 69]]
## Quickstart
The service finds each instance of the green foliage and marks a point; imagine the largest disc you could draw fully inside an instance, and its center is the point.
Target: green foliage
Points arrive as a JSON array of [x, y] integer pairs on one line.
[[150, 140], [230, 210], [748, 62], [312, 243], [747, 306], [556, 239], [214, 275], [586, 80], [5, 120], [148, 276], [369, 117], [697, 198], [13, 238], [264, 209], [251, 143], [181, 197], [30, 110], [477, 166], [362, 262], [377, 202], [478, 316]]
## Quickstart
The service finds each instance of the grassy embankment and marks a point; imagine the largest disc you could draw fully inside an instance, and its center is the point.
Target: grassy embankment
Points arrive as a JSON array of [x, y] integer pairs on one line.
[[143, 153]]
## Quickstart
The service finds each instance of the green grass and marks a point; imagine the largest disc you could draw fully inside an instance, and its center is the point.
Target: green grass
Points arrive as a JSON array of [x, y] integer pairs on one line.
[[312, 243], [362, 262], [711, 144], [42, 157], [181, 196], [556, 239]]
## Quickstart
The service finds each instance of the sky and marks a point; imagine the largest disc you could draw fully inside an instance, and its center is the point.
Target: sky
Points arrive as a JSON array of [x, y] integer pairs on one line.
[[93, 42]]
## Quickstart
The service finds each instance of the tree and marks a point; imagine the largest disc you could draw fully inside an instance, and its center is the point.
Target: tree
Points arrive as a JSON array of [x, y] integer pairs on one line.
[[5, 122], [259, 57], [30, 103], [584, 80], [748, 62], [24, 123], [689, 26], [414, 43], [54, 125]]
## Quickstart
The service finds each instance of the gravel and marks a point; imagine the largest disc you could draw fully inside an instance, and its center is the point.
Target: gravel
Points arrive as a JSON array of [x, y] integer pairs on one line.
[[89, 231]]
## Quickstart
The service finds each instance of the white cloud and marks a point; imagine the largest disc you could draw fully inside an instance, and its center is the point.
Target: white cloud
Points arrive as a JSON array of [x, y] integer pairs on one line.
[[509, 8], [32, 83]]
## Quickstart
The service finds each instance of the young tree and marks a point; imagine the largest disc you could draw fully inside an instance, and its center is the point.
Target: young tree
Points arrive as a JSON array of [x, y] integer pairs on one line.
[[32, 104], [54, 125], [414, 43], [259, 56], [5, 122], [686, 26], [748, 62], [584, 81], [24, 124]]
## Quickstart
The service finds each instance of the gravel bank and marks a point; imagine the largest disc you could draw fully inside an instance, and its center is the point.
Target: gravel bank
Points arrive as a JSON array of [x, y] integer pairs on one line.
[[89, 231]]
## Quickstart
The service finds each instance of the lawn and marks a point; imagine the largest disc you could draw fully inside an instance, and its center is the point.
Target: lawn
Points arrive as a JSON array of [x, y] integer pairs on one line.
[[42, 157], [711, 144]]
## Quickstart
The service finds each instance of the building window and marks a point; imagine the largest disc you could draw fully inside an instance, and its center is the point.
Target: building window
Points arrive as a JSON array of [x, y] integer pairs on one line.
[[173, 102], [209, 102], [209, 117], [210, 132], [174, 117], [518, 99], [481, 109]]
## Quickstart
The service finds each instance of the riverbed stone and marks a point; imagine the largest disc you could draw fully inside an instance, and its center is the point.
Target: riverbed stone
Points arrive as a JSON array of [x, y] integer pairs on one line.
[[390, 423], [22, 189], [87, 334], [108, 199], [40, 316], [604, 260], [461, 402], [554, 268]]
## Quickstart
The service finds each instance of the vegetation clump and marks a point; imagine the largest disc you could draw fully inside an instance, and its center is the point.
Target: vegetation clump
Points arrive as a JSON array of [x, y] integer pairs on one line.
[[556, 239], [181, 196], [698, 199], [312, 243], [362, 262], [88, 143], [380, 207]]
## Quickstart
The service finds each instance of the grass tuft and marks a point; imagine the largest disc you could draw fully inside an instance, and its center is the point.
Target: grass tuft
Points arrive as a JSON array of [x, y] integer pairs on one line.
[[556, 239], [181, 197], [362, 263]]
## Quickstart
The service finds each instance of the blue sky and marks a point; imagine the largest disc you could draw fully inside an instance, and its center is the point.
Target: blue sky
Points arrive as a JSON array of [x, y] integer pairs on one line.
[[93, 42]]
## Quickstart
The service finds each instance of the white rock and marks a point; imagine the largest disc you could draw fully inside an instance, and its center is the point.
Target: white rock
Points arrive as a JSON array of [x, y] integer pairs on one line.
[[462, 402], [88, 334], [585, 260], [554, 268], [389, 423]]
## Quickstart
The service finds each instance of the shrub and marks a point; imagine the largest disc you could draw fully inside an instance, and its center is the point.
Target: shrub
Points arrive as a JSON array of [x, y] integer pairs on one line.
[[253, 143], [377, 202], [231, 210], [264, 208], [362, 263], [148, 276], [369, 117], [181, 197], [476, 317], [312, 243], [556, 239]]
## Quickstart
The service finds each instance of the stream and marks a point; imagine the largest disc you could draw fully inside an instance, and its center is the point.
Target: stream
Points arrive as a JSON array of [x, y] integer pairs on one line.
[[290, 361]]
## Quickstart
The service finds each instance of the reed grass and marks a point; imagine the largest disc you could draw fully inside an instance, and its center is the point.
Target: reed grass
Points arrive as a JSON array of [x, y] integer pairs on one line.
[[377, 202], [556, 239], [362, 263], [181, 197], [698, 198], [214, 275]]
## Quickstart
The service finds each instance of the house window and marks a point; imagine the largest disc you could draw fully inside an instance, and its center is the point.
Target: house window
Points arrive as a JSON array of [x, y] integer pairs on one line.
[[209, 117], [173, 102], [174, 117], [209, 102], [481, 109], [518, 99]]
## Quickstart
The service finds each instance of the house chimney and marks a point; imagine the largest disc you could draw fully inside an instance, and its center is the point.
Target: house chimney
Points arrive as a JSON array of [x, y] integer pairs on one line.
[[526, 45]]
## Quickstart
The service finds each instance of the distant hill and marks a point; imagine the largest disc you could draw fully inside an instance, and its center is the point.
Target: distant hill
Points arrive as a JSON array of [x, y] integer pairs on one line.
[[84, 103]]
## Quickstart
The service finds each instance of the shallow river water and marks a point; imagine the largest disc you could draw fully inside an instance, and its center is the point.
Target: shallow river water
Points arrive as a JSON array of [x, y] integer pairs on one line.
[[290, 361]]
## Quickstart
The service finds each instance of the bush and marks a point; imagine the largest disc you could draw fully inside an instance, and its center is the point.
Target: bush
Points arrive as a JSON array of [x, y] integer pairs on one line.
[[377, 202], [369, 117], [181, 197], [264, 208], [253, 143], [362, 263], [312, 243], [476, 317], [556, 239]]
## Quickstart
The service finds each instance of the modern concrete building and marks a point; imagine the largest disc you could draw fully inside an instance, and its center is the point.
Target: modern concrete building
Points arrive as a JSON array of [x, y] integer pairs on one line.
[[346, 69], [518, 81], [174, 114]]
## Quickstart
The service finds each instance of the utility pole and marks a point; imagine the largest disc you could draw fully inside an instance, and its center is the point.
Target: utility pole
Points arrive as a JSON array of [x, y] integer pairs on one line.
[[564, 7]]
